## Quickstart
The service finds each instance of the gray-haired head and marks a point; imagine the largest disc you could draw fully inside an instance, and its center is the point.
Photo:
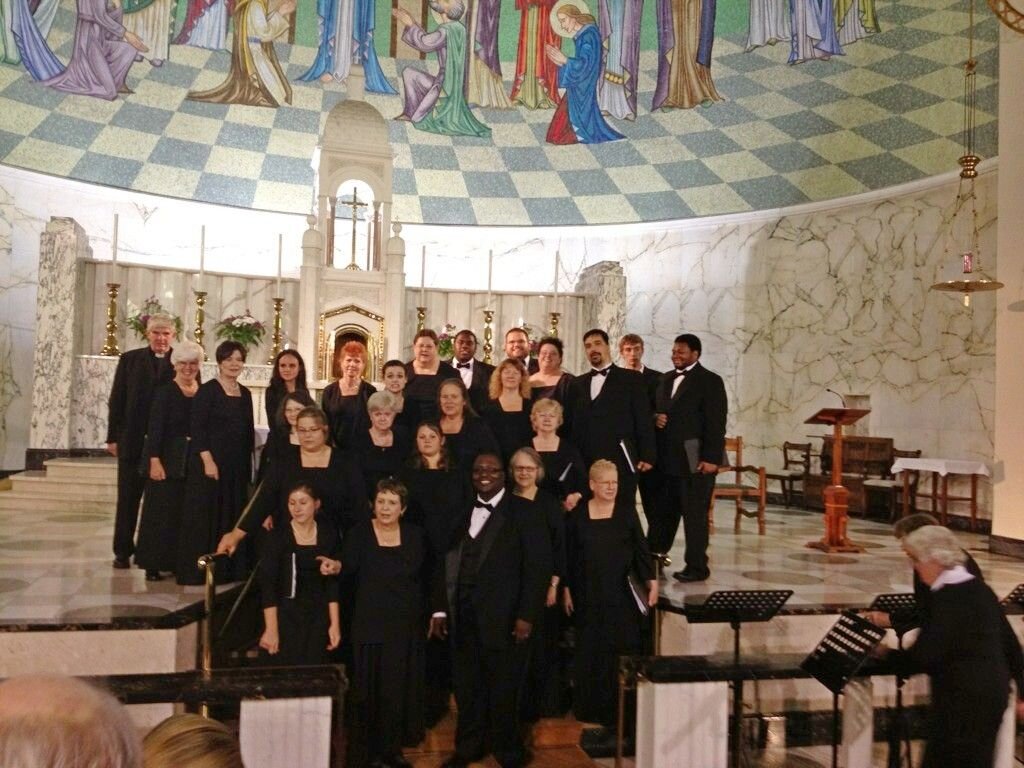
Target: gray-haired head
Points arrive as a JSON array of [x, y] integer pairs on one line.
[[186, 352], [934, 544], [161, 320], [381, 401], [49, 720]]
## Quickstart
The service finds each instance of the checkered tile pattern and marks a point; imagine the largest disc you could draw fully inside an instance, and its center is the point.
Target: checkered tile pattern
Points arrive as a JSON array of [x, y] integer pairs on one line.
[[887, 112]]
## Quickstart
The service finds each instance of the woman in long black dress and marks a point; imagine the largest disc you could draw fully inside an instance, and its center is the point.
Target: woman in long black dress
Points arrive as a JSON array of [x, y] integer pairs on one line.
[[344, 401], [564, 473], [385, 558], [167, 451], [222, 440], [507, 413], [424, 374], [466, 434], [605, 546], [288, 376], [298, 585], [543, 691], [383, 448]]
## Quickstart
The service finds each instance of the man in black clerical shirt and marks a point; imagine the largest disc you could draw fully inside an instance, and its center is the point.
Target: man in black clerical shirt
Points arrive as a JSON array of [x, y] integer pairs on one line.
[[612, 416], [691, 411], [476, 375], [631, 352], [517, 347], [139, 372], [495, 580]]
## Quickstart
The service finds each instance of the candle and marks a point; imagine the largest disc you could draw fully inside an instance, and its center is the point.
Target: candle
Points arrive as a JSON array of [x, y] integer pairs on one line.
[[423, 276], [490, 272], [113, 252], [280, 247], [202, 255], [554, 296]]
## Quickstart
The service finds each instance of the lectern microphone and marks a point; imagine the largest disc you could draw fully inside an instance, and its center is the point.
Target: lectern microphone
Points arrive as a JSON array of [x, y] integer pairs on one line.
[[841, 398]]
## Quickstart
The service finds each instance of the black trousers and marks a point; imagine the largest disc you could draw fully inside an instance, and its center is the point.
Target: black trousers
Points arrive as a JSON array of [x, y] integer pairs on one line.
[[649, 484], [486, 682], [962, 735], [130, 485], [685, 497]]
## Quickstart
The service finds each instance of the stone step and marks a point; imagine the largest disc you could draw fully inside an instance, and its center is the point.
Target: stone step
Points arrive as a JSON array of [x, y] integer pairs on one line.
[[11, 501], [36, 483], [97, 469]]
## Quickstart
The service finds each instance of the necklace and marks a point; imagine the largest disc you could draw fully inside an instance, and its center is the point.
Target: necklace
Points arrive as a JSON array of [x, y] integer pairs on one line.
[[304, 538]]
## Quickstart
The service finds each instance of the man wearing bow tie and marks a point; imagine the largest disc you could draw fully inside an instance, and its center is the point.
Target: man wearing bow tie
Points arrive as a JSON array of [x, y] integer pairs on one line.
[[612, 416], [495, 580], [691, 411], [475, 374]]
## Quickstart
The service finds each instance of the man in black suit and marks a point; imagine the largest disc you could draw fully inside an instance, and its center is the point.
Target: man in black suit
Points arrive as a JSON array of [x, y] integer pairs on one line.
[[690, 416], [476, 375], [612, 416], [517, 347], [495, 580], [631, 352], [139, 373]]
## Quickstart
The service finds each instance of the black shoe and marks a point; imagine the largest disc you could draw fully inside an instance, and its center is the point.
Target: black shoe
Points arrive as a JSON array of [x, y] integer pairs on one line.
[[122, 563], [690, 576], [153, 576]]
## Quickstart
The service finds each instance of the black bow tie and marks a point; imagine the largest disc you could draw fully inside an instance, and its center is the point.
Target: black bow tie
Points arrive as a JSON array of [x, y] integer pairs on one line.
[[602, 372], [484, 505], [680, 372], [463, 365]]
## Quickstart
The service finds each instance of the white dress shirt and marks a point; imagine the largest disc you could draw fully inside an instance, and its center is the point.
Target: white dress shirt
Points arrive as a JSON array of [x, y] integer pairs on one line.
[[679, 379], [597, 382], [466, 373], [955, 575], [480, 515]]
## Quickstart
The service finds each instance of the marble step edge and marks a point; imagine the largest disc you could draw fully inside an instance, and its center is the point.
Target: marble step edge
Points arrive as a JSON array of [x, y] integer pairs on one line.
[[42, 476], [81, 467], [69, 494], [34, 504]]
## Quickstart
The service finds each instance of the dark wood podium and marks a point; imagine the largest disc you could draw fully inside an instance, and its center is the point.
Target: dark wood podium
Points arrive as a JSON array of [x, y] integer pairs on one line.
[[836, 496]]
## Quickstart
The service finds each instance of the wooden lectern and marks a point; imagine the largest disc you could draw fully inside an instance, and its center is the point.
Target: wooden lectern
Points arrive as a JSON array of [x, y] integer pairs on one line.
[[836, 495]]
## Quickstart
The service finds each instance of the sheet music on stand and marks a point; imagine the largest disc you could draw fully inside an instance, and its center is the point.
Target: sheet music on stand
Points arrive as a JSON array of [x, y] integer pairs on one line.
[[1014, 600], [842, 651], [738, 606], [901, 607]]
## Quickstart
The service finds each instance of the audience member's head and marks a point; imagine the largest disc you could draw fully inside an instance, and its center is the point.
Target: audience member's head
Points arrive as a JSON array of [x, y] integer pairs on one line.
[[910, 523], [933, 549], [49, 721], [191, 741]]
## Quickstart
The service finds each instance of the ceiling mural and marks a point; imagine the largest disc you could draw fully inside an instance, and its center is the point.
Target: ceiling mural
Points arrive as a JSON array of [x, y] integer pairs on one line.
[[500, 111]]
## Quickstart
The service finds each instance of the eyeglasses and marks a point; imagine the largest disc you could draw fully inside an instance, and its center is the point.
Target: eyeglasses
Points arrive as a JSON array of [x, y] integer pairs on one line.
[[523, 469], [308, 430]]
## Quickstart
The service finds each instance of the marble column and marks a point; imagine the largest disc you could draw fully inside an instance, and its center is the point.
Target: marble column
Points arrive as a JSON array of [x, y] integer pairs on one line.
[[604, 284], [59, 311], [1008, 500]]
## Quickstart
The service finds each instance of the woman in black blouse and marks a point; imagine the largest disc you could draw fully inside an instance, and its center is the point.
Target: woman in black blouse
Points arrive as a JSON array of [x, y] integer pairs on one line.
[[283, 439], [222, 438], [383, 448], [289, 375], [406, 415], [564, 472], [167, 452], [466, 434], [344, 401], [385, 559], [550, 380], [508, 411], [424, 374]]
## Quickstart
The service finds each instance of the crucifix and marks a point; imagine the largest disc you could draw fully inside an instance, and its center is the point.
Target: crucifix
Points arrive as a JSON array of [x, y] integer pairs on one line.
[[356, 205]]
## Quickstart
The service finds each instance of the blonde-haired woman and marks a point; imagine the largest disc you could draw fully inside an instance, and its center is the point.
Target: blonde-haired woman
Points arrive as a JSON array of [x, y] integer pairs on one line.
[[508, 411], [190, 741], [564, 471]]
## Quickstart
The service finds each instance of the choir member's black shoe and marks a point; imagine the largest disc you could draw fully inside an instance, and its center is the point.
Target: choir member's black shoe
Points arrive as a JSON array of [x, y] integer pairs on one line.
[[690, 576], [121, 563], [154, 576]]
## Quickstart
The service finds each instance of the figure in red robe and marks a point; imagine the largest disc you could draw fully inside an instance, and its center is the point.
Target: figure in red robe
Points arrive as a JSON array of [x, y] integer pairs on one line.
[[536, 83]]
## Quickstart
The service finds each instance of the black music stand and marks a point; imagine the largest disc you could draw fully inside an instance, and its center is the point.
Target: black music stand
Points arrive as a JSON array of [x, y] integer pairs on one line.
[[901, 607], [1014, 600], [736, 606], [836, 659]]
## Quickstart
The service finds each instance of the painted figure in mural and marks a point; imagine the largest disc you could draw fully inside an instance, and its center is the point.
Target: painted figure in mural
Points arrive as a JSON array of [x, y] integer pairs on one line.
[[255, 77], [619, 22], [814, 31], [437, 103], [150, 21], [686, 32], [23, 22], [577, 118], [102, 53], [484, 86], [346, 35], [855, 20], [769, 23], [536, 82], [206, 24]]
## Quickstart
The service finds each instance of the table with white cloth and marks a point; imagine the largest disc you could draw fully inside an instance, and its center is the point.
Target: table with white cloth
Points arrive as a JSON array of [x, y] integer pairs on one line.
[[942, 468]]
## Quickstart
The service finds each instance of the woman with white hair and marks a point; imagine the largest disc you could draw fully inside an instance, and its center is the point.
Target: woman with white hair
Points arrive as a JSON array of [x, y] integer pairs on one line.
[[383, 447], [963, 649], [165, 461]]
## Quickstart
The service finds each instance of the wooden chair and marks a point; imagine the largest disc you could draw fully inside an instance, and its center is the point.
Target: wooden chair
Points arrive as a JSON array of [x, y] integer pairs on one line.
[[738, 489], [892, 486], [796, 463]]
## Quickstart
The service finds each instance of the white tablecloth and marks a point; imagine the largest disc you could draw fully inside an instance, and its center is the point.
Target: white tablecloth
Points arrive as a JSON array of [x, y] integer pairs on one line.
[[943, 466]]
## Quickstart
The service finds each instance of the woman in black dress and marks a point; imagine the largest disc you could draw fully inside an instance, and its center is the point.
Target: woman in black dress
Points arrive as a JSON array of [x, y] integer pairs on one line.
[[507, 413], [283, 439], [606, 546], [289, 375], [550, 380], [424, 374], [222, 442], [344, 401], [564, 474], [167, 451], [385, 559], [406, 415], [383, 448], [466, 434], [543, 691], [298, 587]]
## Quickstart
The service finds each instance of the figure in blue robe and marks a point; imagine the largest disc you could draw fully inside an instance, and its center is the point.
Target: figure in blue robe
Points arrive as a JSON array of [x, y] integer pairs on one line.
[[362, 41]]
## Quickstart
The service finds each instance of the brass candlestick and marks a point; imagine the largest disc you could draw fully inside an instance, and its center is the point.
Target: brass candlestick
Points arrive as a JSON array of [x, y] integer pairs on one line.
[[110, 345], [421, 318], [488, 334], [278, 336], [198, 333], [553, 331]]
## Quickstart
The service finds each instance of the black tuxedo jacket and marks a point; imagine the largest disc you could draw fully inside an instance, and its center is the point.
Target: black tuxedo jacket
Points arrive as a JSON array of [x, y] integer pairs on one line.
[[622, 410], [513, 574], [652, 379], [479, 384], [696, 421], [138, 375]]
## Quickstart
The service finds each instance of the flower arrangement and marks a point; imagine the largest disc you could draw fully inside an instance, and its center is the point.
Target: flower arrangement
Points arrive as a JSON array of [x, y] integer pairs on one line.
[[446, 341], [245, 329], [138, 317], [533, 336]]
